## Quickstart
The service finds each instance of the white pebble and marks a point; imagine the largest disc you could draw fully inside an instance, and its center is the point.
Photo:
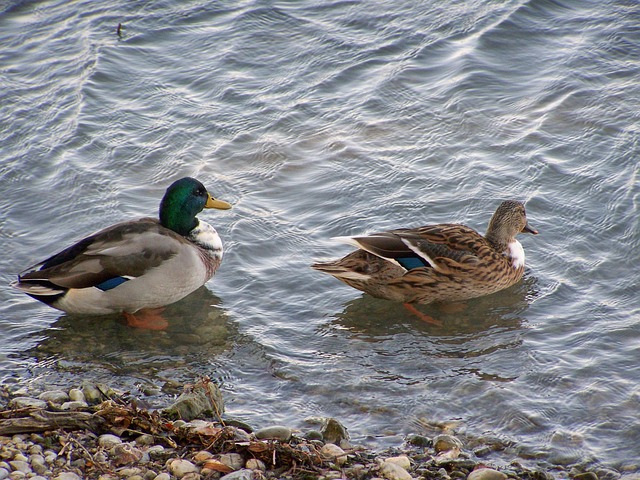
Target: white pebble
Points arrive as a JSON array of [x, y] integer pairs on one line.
[[391, 471], [486, 474], [162, 476], [76, 395], [334, 453], [73, 406], [180, 467], [256, 464], [4, 473], [401, 460]]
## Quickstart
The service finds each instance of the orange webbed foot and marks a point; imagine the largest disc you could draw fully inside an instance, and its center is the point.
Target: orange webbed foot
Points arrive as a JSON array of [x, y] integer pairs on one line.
[[422, 316], [148, 319]]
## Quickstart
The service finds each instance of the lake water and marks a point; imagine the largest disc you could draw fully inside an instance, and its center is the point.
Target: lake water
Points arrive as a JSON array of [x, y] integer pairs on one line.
[[318, 119]]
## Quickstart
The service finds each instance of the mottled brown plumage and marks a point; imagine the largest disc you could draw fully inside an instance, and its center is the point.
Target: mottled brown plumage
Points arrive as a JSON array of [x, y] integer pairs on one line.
[[436, 263]]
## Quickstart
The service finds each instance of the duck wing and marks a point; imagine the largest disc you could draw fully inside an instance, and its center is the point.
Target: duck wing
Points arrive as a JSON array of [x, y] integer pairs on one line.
[[105, 259], [442, 247]]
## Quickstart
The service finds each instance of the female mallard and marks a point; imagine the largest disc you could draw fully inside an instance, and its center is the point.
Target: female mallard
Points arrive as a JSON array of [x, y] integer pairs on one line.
[[436, 263], [134, 266]]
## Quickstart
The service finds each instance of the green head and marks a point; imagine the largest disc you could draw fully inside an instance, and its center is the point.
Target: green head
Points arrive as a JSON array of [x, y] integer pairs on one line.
[[183, 200]]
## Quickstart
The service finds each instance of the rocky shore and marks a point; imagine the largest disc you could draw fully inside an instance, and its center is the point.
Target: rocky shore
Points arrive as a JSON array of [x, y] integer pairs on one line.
[[93, 432]]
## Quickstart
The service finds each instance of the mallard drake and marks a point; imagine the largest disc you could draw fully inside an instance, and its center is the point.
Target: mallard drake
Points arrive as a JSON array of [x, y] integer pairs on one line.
[[134, 266], [436, 263]]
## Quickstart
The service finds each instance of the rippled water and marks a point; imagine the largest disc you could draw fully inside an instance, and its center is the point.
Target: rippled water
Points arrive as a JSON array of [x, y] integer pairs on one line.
[[318, 119]]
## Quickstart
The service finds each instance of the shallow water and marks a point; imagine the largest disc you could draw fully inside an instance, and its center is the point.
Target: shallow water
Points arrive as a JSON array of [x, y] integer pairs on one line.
[[317, 120]]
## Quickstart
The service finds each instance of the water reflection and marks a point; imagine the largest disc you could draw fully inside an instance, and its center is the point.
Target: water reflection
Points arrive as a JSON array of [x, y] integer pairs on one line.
[[471, 343], [199, 329], [371, 319]]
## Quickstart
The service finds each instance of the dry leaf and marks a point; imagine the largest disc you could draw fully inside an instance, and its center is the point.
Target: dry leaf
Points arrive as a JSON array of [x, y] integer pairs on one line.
[[217, 466]]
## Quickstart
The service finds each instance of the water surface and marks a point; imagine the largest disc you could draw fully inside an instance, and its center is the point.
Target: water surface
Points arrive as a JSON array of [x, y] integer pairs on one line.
[[337, 118]]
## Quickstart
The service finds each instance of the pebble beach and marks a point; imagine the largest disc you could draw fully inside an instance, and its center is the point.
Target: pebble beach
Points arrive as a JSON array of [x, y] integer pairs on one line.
[[95, 432]]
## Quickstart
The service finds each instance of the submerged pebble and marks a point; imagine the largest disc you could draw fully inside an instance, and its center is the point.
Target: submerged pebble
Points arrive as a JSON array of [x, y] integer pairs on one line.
[[445, 442]]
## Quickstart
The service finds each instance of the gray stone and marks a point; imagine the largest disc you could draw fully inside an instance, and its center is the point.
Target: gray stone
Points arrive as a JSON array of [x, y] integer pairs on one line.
[[155, 450], [108, 476], [38, 464], [108, 440], [20, 466], [586, 476], [163, 476], [27, 402], [129, 472], [145, 439], [56, 397], [91, 393], [419, 441], [333, 431], [204, 397], [234, 461], [36, 449], [4, 473], [313, 435], [244, 474], [275, 432], [67, 476]]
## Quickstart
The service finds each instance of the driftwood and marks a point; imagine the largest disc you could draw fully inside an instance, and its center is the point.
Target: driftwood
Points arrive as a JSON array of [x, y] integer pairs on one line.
[[44, 420]]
